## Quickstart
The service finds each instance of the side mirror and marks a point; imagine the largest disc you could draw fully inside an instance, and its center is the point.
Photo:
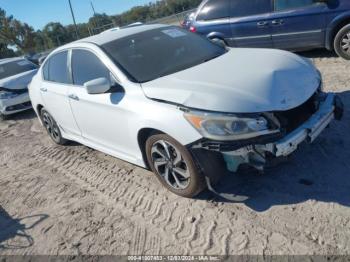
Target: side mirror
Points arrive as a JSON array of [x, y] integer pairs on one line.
[[97, 86]]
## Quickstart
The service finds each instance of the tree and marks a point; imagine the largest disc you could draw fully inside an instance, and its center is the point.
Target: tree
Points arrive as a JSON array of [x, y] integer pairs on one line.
[[16, 33], [99, 20], [55, 34], [26, 40], [5, 51]]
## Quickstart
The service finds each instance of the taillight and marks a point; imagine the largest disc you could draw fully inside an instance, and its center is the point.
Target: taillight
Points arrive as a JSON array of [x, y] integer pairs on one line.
[[193, 29]]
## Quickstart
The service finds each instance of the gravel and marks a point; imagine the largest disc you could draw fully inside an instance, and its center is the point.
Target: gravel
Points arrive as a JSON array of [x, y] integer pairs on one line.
[[74, 200]]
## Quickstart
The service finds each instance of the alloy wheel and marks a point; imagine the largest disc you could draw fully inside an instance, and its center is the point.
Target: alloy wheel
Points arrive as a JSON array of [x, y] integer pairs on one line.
[[170, 164], [345, 43], [51, 127]]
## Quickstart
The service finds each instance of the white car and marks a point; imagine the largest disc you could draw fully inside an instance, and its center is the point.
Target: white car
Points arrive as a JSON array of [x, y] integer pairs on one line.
[[166, 99], [15, 76]]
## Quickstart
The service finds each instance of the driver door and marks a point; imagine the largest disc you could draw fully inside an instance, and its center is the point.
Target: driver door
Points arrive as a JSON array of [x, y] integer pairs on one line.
[[100, 117]]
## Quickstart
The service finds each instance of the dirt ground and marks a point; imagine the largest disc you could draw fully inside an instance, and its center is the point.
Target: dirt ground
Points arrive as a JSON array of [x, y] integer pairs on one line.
[[74, 200]]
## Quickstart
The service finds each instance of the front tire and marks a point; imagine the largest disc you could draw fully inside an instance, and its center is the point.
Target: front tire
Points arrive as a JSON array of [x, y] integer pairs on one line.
[[52, 128], [174, 166], [342, 42]]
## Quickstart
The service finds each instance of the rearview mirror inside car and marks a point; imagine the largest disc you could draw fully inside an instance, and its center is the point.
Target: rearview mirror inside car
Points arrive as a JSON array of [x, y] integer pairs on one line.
[[97, 86]]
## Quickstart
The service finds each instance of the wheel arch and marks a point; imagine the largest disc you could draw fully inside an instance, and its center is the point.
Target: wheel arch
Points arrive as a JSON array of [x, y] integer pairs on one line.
[[142, 137], [335, 26], [218, 35], [38, 108]]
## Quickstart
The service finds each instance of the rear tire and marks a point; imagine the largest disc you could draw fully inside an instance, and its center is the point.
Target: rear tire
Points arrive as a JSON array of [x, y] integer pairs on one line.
[[342, 42], [52, 128], [174, 166]]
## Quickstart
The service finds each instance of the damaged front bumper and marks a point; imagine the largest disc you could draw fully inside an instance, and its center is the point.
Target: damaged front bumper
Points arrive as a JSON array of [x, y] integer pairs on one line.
[[331, 108], [257, 152], [15, 104]]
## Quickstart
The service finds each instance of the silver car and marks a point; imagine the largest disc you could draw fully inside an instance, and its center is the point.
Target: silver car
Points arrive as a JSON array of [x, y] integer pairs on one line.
[[15, 75]]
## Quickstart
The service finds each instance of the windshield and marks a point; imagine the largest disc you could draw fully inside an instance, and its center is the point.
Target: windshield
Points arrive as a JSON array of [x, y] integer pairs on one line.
[[155, 53], [15, 68]]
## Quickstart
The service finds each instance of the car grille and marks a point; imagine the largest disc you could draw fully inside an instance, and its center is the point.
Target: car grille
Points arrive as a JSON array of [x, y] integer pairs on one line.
[[18, 107], [293, 118]]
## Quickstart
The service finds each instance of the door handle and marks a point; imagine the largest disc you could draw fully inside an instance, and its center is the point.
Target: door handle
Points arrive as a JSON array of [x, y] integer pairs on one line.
[[43, 89], [262, 24], [277, 22], [74, 97]]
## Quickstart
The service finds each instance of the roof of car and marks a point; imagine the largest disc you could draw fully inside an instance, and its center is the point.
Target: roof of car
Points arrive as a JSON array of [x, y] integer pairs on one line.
[[111, 35], [7, 60]]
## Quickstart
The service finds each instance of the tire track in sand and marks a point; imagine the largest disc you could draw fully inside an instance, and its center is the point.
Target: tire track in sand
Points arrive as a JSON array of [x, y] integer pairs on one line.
[[139, 197]]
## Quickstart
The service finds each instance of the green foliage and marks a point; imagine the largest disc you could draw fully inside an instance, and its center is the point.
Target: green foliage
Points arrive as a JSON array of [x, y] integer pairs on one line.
[[26, 40], [5, 51], [16, 33]]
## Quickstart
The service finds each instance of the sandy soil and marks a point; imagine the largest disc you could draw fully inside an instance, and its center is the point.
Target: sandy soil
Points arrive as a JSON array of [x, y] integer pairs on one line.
[[74, 200]]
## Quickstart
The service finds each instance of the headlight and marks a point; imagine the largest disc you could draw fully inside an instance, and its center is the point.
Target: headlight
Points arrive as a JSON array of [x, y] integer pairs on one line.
[[7, 95], [228, 127]]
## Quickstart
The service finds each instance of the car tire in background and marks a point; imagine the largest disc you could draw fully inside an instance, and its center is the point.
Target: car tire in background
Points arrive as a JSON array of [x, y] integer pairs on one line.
[[219, 42], [342, 42], [174, 166], [51, 127], [3, 117]]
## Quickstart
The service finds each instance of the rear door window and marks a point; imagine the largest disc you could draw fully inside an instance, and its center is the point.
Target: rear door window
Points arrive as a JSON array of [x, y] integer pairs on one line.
[[214, 9], [281, 5], [240, 8], [58, 68]]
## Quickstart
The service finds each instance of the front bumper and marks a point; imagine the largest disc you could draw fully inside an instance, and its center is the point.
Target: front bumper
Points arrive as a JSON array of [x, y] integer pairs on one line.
[[310, 130], [256, 152], [16, 104]]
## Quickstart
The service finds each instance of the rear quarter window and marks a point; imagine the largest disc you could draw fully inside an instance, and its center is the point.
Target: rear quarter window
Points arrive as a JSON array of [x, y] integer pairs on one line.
[[46, 71], [281, 5], [214, 9]]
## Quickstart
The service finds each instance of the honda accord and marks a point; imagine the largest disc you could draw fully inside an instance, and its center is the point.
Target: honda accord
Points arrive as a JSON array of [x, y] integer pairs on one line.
[[165, 99]]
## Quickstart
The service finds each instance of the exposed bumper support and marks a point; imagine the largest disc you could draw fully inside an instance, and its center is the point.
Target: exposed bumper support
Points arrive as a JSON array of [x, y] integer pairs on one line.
[[256, 151], [309, 131]]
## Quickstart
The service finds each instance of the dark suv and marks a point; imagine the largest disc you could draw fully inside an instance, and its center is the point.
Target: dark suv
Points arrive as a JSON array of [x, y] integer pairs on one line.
[[285, 24]]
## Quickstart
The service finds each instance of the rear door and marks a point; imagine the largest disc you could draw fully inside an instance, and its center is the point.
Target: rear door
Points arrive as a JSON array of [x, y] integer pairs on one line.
[[298, 24], [249, 21], [54, 91]]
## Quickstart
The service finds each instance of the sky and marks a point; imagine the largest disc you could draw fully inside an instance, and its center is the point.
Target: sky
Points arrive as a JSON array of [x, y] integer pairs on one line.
[[38, 13]]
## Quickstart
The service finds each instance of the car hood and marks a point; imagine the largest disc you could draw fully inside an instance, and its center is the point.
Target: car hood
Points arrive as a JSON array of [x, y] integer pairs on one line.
[[17, 82], [240, 81]]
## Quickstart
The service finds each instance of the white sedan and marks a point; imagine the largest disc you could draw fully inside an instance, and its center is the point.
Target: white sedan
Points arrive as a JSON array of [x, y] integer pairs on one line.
[[169, 100], [15, 76]]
